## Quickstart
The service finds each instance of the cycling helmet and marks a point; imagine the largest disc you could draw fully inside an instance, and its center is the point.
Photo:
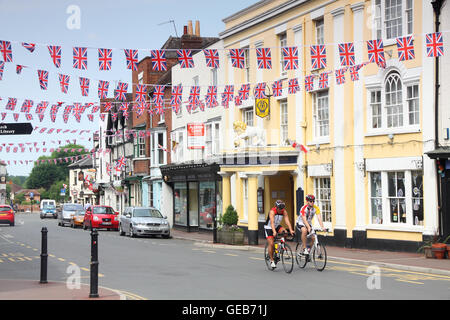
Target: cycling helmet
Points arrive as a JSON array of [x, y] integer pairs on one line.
[[280, 204], [310, 197]]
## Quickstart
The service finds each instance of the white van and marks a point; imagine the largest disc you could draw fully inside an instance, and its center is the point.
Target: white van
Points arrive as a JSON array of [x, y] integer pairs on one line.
[[48, 208]]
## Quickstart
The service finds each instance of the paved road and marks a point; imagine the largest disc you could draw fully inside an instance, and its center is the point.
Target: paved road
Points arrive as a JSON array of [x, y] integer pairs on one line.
[[174, 269]]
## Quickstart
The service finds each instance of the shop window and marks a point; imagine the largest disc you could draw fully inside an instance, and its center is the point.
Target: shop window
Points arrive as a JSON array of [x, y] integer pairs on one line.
[[322, 188], [417, 197], [376, 198], [180, 203], [396, 196], [193, 204], [207, 204]]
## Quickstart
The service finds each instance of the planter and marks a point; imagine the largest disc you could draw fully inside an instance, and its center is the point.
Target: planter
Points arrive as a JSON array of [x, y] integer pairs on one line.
[[448, 251], [230, 237], [439, 250], [428, 252]]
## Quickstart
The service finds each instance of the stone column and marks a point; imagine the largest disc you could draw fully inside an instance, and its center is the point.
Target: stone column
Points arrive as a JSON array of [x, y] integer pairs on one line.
[[226, 190], [252, 207]]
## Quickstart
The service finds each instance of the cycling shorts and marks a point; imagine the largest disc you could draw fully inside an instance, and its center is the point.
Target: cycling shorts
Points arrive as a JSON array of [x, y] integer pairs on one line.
[[269, 232]]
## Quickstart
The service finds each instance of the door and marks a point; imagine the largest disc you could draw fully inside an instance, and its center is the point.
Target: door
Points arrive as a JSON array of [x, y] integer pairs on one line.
[[445, 213]]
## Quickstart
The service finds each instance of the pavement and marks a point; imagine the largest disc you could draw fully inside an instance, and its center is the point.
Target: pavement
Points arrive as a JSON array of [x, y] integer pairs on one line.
[[53, 290]]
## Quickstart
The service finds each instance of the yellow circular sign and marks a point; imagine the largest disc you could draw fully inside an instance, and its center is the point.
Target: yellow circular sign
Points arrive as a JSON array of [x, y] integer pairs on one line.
[[262, 107]]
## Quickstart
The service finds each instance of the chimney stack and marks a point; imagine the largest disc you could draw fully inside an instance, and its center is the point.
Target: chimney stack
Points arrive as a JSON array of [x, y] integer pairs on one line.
[[197, 28], [190, 30]]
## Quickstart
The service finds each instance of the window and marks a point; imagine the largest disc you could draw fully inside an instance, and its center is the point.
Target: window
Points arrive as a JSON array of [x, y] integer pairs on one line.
[[139, 145], [321, 114], [207, 204], [141, 77], [247, 115], [376, 198], [322, 190], [216, 144], [247, 64], [180, 194], [417, 197], [212, 138], [214, 77], [375, 107], [161, 152], [394, 104], [283, 122], [282, 40], [412, 99], [208, 139], [158, 144], [319, 25], [396, 196], [392, 18]]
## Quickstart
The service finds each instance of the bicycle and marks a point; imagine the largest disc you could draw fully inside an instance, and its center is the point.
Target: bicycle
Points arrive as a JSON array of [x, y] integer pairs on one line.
[[282, 251], [317, 251]]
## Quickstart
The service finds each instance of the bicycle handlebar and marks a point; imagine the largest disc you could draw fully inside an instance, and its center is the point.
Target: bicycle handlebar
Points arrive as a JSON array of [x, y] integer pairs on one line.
[[284, 234]]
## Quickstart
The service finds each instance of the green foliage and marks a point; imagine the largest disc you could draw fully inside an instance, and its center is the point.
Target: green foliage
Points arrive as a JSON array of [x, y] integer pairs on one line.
[[230, 217], [19, 198]]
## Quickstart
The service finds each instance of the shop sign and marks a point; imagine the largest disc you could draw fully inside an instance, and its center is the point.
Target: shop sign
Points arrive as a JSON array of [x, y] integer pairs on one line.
[[196, 135], [262, 107]]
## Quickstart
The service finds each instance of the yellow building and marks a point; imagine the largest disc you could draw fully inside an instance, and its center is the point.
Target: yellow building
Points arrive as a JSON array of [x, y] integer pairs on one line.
[[366, 138]]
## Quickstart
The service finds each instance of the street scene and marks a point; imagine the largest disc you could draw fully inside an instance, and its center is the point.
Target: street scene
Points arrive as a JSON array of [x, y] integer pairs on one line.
[[194, 151]]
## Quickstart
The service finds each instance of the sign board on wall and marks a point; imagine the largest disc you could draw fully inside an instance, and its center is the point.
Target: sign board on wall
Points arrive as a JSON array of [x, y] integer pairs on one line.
[[196, 135]]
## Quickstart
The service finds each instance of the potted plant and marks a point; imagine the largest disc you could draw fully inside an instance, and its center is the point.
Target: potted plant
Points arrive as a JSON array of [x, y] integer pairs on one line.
[[434, 248], [228, 231], [427, 246]]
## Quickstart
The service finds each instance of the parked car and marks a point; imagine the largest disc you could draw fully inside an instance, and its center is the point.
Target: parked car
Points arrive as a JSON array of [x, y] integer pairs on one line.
[[48, 208], [7, 215], [101, 217], [143, 221], [67, 212]]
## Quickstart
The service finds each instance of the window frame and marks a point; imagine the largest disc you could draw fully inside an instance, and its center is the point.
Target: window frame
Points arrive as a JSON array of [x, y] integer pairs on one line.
[[316, 121], [324, 204], [379, 31], [284, 122]]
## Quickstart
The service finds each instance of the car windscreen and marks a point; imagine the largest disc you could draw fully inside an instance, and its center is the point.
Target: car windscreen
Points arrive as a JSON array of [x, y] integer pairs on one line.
[[3, 209], [49, 206], [73, 207], [103, 210], [147, 213]]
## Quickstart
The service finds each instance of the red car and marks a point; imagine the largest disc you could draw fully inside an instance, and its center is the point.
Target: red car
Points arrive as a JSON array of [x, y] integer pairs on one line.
[[7, 215], [101, 217]]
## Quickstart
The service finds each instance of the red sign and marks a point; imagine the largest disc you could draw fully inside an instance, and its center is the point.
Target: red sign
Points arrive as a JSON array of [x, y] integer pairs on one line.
[[196, 135]]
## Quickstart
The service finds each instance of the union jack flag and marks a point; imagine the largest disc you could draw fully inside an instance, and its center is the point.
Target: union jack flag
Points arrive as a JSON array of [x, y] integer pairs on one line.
[[29, 116], [375, 50], [293, 86], [159, 62], [95, 109], [237, 58], [104, 59], [212, 58], [55, 54], [211, 97], [290, 58], [244, 91], [40, 108], [175, 101], [263, 57], [141, 93], [84, 85], [120, 163], [405, 47], [53, 112], [108, 169], [19, 68], [185, 58], [80, 58], [108, 106], [309, 83], [194, 97], [340, 76], [90, 117], [102, 116], [26, 106], [277, 88], [16, 117], [64, 82], [435, 44], [103, 87], [29, 46], [260, 90], [347, 54], [77, 109], [158, 95], [354, 75], [140, 108], [124, 106], [43, 79], [11, 105], [132, 59], [6, 50], [2, 66], [318, 56], [159, 107], [323, 80], [227, 95], [121, 90], [237, 100]]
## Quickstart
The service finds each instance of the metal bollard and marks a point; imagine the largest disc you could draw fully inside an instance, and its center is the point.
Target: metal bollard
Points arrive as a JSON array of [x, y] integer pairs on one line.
[[44, 256], [94, 264]]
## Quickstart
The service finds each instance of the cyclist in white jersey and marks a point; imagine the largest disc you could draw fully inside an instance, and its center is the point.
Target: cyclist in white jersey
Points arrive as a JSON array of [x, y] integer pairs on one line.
[[304, 220], [273, 226]]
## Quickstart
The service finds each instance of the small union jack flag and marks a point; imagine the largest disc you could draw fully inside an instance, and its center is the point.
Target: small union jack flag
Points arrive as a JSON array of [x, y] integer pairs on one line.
[[40, 108], [6, 50], [53, 112], [354, 75], [120, 163], [84, 85], [132, 59], [290, 58], [293, 86], [347, 54], [244, 91], [237, 100], [26, 106], [43, 79], [340, 76], [80, 58], [175, 101], [227, 95], [309, 83], [405, 47], [277, 88], [29, 46], [263, 57], [211, 97], [141, 93], [185, 58], [375, 50], [55, 54], [108, 106], [323, 80], [19, 68], [212, 58], [16, 117], [159, 62], [104, 59], [64, 82], [318, 56], [435, 44], [11, 105], [2, 66], [237, 58], [29, 116], [103, 89], [194, 97], [260, 90], [121, 90], [140, 108], [159, 107], [158, 94]]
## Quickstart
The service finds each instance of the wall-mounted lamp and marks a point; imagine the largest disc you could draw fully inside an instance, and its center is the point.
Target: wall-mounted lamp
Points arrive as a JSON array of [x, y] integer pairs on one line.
[[391, 138]]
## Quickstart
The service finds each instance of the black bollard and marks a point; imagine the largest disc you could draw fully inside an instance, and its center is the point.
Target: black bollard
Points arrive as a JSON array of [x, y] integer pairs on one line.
[[44, 256], [94, 264]]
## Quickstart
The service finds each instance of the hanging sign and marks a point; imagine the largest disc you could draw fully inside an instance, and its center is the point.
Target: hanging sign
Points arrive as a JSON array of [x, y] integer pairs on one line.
[[15, 128], [262, 107], [196, 135]]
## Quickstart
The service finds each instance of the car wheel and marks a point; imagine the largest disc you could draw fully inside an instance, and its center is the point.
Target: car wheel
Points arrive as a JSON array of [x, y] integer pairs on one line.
[[166, 236], [12, 224], [121, 233], [131, 234]]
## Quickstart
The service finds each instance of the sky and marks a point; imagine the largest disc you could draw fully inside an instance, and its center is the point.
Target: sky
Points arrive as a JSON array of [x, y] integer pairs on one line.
[[118, 25]]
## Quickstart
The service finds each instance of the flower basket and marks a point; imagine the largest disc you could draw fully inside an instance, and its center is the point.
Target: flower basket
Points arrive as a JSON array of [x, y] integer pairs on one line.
[[230, 235]]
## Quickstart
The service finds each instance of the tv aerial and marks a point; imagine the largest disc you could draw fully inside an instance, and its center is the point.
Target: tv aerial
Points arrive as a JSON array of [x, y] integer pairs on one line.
[[170, 21]]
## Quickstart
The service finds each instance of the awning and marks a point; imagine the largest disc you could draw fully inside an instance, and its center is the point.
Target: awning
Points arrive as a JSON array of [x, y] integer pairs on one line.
[[439, 153]]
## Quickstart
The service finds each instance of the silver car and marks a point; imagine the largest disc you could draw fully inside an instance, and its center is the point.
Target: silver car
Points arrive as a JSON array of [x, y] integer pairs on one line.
[[68, 211], [137, 221]]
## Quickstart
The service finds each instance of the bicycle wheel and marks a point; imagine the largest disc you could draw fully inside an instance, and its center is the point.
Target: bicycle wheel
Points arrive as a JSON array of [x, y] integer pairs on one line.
[[301, 259], [287, 258], [267, 258], [320, 257]]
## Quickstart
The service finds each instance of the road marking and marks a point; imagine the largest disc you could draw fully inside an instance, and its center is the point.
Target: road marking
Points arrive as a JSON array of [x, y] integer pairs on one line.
[[51, 255], [131, 295], [256, 258], [414, 282], [208, 251], [29, 259], [11, 259], [1, 260], [230, 254], [61, 259], [85, 269]]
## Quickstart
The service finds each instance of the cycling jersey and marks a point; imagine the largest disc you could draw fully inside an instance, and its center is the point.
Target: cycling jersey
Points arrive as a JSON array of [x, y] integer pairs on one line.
[[277, 219], [308, 213]]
